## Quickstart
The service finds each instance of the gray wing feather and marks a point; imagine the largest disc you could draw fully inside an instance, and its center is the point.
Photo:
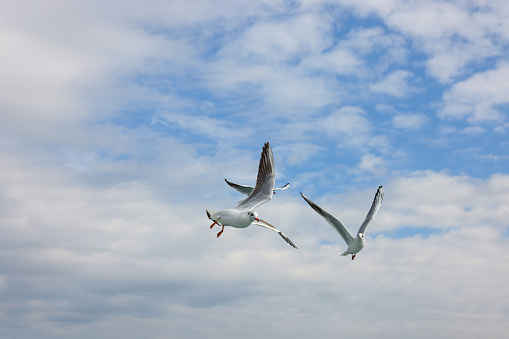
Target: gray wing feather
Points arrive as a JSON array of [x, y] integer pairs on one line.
[[269, 226], [247, 190], [379, 196], [263, 189], [284, 187], [333, 221]]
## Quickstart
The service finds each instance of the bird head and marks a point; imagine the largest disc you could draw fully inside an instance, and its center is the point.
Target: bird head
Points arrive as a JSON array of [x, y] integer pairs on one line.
[[253, 216]]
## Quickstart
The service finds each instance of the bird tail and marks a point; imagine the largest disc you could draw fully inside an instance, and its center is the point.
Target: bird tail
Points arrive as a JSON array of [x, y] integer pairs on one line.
[[345, 254], [211, 214]]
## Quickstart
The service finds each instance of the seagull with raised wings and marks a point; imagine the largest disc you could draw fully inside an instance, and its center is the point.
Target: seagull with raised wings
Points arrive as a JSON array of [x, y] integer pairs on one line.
[[354, 244], [243, 215]]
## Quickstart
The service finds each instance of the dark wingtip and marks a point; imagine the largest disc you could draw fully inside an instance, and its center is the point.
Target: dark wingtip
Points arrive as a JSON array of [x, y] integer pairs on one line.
[[380, 192]]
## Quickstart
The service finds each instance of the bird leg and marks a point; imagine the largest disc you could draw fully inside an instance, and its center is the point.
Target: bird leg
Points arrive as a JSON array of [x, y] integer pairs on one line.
[[214, 222], [220, 232], [353, 256]]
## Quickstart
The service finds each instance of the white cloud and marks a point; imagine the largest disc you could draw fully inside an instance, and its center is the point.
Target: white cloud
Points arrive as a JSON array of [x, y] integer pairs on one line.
[[432, 20], [59, 72], [449, 32], [474, 130], [202, 125], [121, 256], [454, 34], [299, 152], [339, 61], [395, 84], [348, 124], [441, 201], [281, 41], [409, 121], [478, 97], [264, 62], [368, 7], [102, 215], [371, 163]]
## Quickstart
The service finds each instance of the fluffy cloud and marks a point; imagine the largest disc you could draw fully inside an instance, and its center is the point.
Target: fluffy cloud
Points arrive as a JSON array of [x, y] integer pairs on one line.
[[121, 122], [371, 163], [395, 84], [478, 97], [118, 259]]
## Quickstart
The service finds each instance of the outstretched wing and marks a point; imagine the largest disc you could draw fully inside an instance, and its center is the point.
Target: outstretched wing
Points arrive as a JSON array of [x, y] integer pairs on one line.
[[263, 223], [333, 221], [379, 196], [247, 190], [263, 189], [283, 188]]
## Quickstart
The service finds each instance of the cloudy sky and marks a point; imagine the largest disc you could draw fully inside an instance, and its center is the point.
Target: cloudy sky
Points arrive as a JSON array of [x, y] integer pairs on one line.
[[120, 120]]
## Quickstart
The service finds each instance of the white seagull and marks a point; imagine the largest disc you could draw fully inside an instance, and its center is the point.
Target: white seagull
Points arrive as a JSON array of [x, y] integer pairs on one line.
[[354, 244], [247, 190], [243, 215]]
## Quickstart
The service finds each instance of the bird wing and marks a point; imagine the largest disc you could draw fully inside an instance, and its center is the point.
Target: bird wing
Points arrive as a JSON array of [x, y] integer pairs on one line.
[[247, 190], [284, 187], [263, 189], [265, 224], [379, 196], [333, 221]]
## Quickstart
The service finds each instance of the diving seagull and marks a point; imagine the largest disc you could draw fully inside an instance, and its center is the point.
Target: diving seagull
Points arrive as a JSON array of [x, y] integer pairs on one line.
[[354, 244], [247, 190], [243, 215]]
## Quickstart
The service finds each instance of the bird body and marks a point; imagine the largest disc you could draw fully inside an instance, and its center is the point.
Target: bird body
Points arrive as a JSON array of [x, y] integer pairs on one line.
[[232, 217], [243, 215], [355, 245]]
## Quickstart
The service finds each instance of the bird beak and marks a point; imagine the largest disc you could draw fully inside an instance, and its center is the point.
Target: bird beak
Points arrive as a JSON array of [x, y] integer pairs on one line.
[[257, 219]]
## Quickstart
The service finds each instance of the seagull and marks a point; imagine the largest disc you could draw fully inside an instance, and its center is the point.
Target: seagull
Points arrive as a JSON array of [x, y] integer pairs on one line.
[[243, 215], [247, 190], [354, 244]]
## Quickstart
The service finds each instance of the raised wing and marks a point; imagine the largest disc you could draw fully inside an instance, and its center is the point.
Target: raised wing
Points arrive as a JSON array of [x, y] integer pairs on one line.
[[333, 221], [379, 196], [247, 190], [264, 187], [263, 223]]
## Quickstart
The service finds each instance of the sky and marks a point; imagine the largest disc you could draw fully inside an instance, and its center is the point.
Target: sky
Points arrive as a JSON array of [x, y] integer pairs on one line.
[[120, 120]]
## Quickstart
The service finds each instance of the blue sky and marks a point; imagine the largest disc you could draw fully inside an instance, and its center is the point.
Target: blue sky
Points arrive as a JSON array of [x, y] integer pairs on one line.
[[119, 123]]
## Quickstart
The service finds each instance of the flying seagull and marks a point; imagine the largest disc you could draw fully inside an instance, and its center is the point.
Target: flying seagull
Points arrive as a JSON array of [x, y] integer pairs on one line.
[[354, 244], [247, 190], [243, 215]]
